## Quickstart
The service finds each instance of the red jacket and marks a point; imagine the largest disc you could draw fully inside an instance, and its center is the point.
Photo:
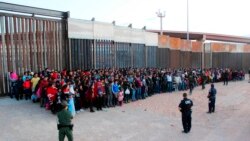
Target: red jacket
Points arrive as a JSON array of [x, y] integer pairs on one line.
[[98, 86], [90, 96], [51, 93], [64, 73], [27, 84], [44, 84], [54, 75]]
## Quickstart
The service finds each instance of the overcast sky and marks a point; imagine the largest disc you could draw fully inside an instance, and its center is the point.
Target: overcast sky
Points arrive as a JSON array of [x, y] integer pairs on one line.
[[213, 16]]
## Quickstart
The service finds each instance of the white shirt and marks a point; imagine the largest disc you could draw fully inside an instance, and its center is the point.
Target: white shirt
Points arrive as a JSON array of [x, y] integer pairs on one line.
[[169, 78]]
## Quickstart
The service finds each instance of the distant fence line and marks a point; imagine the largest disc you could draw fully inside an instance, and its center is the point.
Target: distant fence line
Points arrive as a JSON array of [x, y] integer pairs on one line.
[[34, 43]]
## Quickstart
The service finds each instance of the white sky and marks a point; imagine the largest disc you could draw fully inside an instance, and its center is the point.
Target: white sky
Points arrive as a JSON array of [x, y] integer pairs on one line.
[[212, 16]]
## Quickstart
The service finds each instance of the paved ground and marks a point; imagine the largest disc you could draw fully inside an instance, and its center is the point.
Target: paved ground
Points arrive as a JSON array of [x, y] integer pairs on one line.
[[154, 119]]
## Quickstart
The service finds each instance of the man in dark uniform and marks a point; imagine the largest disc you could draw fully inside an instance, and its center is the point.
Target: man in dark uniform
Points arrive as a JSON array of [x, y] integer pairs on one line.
[[211, 96], [65, 126], [225, 76], [186, 111], [249, 75]]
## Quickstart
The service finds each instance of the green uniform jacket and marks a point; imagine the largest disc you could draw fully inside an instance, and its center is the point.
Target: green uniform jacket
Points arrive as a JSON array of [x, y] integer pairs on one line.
[[64, 117]]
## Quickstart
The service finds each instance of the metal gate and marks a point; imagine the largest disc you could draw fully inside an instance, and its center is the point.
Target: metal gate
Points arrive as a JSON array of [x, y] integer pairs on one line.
[[30, 39]]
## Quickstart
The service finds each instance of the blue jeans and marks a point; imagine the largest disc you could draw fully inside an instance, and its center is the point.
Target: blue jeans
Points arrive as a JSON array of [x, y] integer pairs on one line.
[[133, 95], [110, 100], [157, 88], [138, 93], [170, 86], [181, 86], [146, 92]]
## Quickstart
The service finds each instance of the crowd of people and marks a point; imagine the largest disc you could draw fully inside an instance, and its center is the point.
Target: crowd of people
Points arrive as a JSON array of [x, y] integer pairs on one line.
[[105, 88]]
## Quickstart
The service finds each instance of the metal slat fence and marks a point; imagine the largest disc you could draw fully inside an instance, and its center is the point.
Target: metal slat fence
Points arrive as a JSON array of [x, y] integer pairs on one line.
[[29, 43]]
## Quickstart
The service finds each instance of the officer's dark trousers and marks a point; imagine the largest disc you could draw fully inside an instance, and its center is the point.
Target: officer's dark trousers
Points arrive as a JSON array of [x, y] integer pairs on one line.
[[65, 132], [186, 122], [211, 105], [225, 81]]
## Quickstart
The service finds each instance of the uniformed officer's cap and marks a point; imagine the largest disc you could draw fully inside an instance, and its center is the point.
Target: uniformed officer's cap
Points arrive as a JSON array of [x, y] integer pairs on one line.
[[64, 103]]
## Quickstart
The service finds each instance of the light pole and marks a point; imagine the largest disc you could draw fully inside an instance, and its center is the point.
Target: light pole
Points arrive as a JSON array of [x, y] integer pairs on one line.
[[160, 15]]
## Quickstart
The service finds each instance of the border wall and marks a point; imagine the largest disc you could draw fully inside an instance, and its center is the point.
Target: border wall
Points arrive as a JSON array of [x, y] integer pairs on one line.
[[103, 45], [34, 43], [30, 41]]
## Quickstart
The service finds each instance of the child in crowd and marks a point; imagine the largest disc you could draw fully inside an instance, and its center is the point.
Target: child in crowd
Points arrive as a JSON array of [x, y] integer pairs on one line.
[[127, 93], [77, 101], [120, 96], [71, 106], [27, 88]]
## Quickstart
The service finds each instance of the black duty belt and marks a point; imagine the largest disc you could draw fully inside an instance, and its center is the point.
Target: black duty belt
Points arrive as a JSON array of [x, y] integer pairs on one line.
[[59, 126]]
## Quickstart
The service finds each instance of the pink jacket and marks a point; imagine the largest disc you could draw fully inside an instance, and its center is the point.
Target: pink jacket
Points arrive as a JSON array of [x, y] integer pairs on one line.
[[120, 96]]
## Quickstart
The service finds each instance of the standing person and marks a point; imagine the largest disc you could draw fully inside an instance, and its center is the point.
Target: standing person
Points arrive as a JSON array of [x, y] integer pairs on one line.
[[211, 96], [43, 88], [203, 80], [64, 125], [71, 99], [225, 77], [90, 97], [169, 82], [77, 100], [34, 81], [127, 93], [133, 92], [108, 89], [115, 90], [138, 85], [144, 88], [186, 111], [249, 75], [52, 96], [20, 88], [82, 91], [100, 91], [126, 86], [191, 82], [27, 88], [150, 84], [13, 84], [120, 96]]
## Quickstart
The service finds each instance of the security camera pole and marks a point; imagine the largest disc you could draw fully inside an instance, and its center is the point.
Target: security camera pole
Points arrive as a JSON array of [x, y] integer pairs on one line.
[[160, 15]]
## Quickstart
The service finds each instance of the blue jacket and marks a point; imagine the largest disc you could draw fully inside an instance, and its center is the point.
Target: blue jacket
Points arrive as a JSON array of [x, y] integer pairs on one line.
[[115, 88]]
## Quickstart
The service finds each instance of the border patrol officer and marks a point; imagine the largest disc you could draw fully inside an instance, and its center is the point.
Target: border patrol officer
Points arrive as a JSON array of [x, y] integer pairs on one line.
[[185, 109], [65, 126], [212, 97], [249, 75]]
